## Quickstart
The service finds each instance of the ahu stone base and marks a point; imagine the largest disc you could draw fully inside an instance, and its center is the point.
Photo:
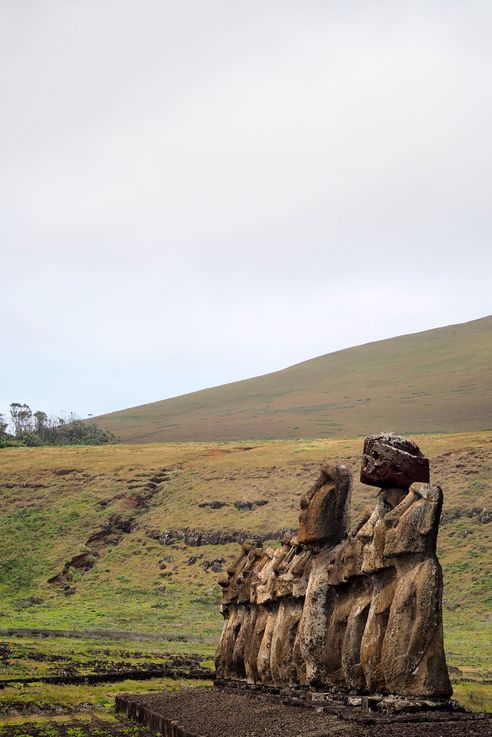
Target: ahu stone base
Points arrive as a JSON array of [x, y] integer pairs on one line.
[[365, 708], [249, 711]]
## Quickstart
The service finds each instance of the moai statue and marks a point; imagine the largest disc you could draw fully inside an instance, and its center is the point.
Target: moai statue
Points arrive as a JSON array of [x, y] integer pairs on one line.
[[324, 523], [402, 647], [412, 658], [258, 600], [246, 614], [290, 590], [266, 598], [392, 463], [325, 507], [380, 576], [232, 615], [357, 611], [344, 594], [228, 611], [361, 594]]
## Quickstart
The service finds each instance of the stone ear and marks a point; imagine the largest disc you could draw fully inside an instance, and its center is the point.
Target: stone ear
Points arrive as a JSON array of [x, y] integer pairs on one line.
[[428, 519]]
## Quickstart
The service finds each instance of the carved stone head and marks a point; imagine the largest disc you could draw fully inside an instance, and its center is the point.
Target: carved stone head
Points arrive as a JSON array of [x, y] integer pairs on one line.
[[325, 508], [245, 577], [232, 583], [391, 460]]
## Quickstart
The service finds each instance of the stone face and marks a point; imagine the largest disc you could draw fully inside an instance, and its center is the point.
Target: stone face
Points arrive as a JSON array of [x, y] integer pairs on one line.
[[325, 508], [358, 612], [391, 460]]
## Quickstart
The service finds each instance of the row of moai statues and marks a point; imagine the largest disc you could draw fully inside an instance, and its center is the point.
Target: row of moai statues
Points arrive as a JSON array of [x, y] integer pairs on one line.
[[339, 609]]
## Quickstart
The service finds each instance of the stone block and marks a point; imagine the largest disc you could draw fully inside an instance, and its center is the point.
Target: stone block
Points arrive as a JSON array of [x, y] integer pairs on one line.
[[390, 460]]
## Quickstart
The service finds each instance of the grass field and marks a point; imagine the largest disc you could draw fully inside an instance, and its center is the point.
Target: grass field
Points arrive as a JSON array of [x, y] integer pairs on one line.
[[94, 520], [434, 381]]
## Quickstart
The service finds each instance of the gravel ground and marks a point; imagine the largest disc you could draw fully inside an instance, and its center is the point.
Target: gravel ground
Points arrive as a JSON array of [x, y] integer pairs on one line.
[[211, 712]]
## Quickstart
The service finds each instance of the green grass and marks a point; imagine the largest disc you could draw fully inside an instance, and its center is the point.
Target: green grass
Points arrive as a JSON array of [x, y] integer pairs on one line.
[[474, 696], [100, 697]]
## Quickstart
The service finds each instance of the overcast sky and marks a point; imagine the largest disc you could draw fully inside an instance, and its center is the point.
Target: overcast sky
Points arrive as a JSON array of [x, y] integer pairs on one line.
[[198, 191]]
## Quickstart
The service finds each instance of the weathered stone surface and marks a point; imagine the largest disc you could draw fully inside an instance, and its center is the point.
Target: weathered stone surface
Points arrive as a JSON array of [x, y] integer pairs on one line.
[[325, 508], [282, 661], [414, 630], [391, 460], [347, 612], [311, 635]]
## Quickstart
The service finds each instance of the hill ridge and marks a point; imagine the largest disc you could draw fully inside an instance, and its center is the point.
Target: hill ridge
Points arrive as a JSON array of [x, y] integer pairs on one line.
[[435, 383]]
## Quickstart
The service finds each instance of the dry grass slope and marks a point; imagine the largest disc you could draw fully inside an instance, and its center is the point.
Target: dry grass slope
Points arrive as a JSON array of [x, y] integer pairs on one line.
[[429, 382]]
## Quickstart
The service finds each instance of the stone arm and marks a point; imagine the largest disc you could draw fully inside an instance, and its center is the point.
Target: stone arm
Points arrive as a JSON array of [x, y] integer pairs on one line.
[[429, 523], [428, 591], [299, 565], [283, 561], [366, 513], [392, 518], [366, 531]]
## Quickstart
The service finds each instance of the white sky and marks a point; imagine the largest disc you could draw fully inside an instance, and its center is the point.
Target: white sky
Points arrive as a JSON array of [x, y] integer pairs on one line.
[[197, 192]]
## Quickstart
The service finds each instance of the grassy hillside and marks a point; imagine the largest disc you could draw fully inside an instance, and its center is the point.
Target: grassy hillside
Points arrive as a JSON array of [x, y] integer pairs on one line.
[[435, 381], [116, 529]]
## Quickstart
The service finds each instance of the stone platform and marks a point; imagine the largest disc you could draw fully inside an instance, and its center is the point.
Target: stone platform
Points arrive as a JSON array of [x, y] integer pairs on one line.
[[239, 712]]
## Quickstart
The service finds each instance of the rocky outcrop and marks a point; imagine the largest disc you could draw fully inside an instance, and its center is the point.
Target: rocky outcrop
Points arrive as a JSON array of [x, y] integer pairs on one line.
[[334, 609], [196, 538]]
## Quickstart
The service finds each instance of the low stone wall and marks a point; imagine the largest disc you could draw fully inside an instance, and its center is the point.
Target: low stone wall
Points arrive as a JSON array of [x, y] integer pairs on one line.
[[154, 721]]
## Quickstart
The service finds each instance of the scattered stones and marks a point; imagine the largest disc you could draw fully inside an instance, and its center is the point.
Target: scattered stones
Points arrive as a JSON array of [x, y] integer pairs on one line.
[[485, 517], [249, 506], [195, 538], [29, 602], [191, 561], [213, 505], [477, 514], [213, 565]]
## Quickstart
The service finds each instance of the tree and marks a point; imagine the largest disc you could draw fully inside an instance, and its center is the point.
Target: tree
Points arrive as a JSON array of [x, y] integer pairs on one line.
[[21, 415], [31, 439], [39, 429], [40, 423]]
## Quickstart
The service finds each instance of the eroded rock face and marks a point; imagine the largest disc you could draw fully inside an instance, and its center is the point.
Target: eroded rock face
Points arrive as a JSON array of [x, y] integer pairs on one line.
[[330, 609]]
